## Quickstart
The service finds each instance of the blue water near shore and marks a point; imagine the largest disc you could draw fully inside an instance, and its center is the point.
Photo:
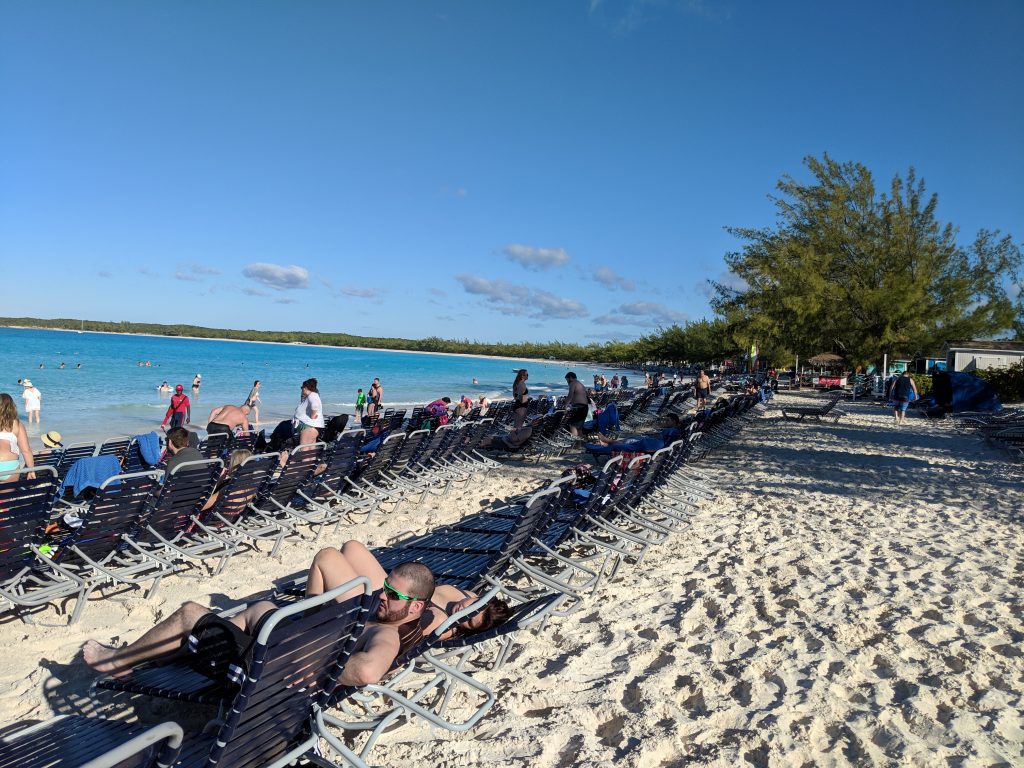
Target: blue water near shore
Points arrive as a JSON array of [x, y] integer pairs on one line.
[[112, 395]]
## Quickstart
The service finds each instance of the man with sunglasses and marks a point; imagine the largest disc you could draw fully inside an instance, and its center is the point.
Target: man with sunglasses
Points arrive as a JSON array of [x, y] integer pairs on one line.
[[396, 626]]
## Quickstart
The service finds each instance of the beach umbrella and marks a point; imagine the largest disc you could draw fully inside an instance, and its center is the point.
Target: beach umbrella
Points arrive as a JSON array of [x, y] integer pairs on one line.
[[825, 360]]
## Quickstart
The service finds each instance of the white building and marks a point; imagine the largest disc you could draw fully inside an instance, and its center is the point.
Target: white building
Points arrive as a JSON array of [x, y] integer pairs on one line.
[[978, 355]]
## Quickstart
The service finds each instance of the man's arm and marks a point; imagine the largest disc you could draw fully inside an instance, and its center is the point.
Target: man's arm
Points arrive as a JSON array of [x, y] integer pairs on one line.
[[245, 423], [379, 648]]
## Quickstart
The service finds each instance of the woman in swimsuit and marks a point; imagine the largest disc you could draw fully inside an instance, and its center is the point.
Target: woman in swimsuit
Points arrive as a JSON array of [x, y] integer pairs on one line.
[[520, 399], [14, 445]]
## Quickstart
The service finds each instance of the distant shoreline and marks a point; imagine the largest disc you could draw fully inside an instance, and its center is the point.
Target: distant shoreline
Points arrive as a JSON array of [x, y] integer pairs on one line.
[[319, 346]]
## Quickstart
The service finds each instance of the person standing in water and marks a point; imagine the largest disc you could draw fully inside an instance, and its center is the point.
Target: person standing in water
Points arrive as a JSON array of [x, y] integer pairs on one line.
[[179, 412], [32, 397]]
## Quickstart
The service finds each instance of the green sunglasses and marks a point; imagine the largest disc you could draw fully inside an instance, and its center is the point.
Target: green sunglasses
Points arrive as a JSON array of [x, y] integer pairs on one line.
[[392, 592]]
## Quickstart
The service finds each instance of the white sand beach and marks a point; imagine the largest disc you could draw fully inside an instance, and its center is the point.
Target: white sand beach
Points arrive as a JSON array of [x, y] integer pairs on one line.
[[854, 596]]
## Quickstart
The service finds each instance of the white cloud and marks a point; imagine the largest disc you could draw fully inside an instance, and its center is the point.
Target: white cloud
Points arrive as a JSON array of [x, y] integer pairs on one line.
[[253, 291], [286, 300], [277, 277], [535, 258], [194, 273], [646, 314], [105, 273], [611, 280], [360, 293], [520, 300]]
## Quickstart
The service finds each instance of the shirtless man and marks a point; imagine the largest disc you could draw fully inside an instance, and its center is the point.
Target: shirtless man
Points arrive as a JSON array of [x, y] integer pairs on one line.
[[403, 597], [375, 397], [702, 390], [226, 418], [577, 403]]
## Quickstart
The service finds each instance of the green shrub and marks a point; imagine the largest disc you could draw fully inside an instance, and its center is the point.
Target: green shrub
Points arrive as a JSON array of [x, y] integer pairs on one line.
[[1008, 382], [923, 382]]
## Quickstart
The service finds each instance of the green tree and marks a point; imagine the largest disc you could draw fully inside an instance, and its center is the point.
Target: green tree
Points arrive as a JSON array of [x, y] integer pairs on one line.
[[850, 270]]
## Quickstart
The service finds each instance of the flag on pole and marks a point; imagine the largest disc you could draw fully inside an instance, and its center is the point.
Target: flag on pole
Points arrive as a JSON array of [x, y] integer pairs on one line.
[[753, 356]]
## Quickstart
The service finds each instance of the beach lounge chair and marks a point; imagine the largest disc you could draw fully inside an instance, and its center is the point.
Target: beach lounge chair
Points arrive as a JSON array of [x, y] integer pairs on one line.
[[429, 678], [116, 447], [817, 412], [100, 551], [273, 506], [27, 578], [163, 529], [228, 520], [295, 664], [215, 446], [71, 454], [74, 741], [327, 487]]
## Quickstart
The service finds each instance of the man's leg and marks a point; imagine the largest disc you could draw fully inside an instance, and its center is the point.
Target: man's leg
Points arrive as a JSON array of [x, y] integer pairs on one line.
[[331, 568], [165, 638]]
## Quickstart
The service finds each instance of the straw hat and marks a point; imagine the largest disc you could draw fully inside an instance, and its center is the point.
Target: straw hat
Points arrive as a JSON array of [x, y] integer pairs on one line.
[[52, 439]]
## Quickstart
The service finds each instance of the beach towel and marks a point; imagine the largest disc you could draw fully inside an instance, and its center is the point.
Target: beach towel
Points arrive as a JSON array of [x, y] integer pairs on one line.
[[608, 419], [90, 472], [149, 448]]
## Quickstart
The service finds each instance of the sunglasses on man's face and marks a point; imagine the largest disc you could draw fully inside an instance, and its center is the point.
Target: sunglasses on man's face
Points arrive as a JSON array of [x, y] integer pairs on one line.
[[391, 592]]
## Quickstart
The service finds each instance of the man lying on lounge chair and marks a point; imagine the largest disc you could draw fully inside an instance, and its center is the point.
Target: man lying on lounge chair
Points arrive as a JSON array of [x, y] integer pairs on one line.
[[671, 432], [408, 607]]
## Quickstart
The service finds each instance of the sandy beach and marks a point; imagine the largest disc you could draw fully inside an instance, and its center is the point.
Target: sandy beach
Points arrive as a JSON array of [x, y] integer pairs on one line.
[[852, 597]]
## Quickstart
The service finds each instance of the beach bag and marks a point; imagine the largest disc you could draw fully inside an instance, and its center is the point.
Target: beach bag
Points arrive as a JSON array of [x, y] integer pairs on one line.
[[219, 650]]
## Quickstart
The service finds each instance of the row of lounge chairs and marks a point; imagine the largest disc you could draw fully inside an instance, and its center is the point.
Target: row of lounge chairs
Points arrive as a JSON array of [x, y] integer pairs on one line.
[[548, 552], [1004, 429], [143, 525]]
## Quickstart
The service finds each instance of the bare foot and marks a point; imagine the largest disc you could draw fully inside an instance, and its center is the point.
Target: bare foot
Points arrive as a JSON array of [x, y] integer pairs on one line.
[[101, 658]]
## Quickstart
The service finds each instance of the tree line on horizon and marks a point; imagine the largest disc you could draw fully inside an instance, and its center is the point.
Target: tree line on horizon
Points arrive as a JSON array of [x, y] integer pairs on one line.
[[845, 269]]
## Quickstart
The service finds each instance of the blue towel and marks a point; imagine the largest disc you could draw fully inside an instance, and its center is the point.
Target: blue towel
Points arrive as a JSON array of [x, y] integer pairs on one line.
[[149, 448], [608, 419], [90, 472]]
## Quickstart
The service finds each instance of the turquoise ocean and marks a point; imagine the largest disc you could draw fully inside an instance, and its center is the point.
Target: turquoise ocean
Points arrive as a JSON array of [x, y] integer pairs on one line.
[[111, 394]]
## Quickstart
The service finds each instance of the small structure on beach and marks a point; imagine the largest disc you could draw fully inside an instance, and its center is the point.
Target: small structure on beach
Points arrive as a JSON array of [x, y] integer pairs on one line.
[[979, 355]]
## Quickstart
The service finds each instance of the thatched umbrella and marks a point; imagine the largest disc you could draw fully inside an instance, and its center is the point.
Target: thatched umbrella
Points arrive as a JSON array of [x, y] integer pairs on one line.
[[825, 360]]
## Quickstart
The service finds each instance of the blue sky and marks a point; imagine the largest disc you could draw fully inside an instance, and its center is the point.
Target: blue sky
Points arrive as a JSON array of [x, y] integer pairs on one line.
[[498, 171]]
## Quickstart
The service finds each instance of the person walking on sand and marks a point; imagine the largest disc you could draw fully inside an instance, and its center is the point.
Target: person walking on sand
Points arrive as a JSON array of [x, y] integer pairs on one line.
[[904, 390], [253, 399], [179, 412], [520, 398], [702, 390], [32, 397]]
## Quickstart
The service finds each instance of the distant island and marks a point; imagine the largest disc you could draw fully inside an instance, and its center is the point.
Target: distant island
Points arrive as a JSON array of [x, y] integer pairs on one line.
[[607, 353]]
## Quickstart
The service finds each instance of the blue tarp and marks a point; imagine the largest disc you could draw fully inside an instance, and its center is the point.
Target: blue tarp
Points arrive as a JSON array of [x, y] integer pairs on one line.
[[969, 393]]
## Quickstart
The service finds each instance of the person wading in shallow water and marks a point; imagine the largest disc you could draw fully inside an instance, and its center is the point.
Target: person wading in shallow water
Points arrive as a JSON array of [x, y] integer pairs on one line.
[[179, 412]]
